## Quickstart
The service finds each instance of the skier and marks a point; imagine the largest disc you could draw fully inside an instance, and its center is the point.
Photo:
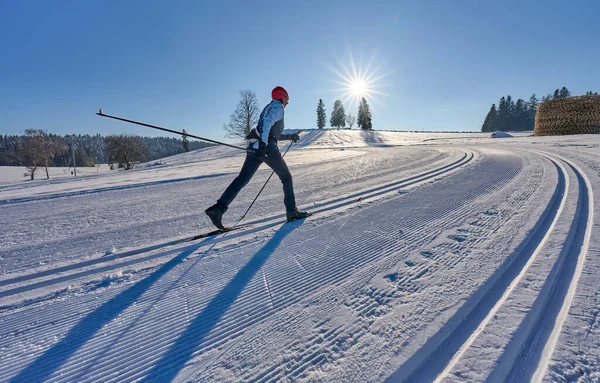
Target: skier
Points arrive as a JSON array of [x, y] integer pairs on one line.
[[262, 147]]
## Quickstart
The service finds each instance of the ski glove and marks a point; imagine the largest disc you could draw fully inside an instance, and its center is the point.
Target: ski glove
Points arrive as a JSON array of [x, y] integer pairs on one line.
[[253, 136], [262, 149], [294, 137]]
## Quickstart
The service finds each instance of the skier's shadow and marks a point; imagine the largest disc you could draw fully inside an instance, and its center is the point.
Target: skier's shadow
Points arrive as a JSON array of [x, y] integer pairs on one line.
[[43, 367], [181, 351]]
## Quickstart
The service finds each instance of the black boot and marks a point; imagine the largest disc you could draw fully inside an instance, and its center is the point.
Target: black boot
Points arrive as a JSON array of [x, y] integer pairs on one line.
[[297, 214], [215, 213]]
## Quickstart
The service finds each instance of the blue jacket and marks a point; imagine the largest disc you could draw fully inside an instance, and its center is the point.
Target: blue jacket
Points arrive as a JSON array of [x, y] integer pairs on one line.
[[270, 126], [270, 122]]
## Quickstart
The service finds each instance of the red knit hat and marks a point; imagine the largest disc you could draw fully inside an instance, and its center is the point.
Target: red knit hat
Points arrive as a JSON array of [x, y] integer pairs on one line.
[[279, 93]]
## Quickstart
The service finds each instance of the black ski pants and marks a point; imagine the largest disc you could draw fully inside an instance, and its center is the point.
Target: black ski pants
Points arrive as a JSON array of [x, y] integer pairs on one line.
[[275, 161]]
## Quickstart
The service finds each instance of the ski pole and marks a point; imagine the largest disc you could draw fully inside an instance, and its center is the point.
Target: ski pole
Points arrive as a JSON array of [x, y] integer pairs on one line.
[[255, 198], [169, 130]]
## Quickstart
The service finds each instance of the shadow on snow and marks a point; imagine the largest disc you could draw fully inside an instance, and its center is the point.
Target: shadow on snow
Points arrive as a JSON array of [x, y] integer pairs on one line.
[[183, 348]]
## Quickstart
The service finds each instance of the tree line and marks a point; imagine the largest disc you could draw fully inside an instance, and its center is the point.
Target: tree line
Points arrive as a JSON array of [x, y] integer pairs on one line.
[[519, 115], [339, 118], [38, 149], [245, 117]]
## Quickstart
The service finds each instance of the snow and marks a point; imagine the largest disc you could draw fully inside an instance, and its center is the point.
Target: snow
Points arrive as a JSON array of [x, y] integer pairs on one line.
[[431, 257], [500, 134]]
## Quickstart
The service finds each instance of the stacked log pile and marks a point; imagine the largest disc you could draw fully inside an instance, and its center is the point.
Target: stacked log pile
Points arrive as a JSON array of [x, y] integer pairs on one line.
[[570, 115]]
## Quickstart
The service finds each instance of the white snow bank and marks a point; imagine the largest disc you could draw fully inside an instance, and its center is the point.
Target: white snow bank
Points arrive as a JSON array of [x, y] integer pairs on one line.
[[500, 134]]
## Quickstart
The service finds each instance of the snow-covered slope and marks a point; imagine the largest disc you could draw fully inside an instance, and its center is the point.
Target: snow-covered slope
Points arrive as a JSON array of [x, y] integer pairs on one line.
[[454, 257]]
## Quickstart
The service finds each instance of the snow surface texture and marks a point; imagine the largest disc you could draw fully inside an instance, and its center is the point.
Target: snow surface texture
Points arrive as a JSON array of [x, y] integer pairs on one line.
[[444, 257], [500, 134]]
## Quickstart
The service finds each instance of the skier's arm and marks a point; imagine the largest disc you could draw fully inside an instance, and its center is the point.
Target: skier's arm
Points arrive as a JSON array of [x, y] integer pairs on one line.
[[273, 115]]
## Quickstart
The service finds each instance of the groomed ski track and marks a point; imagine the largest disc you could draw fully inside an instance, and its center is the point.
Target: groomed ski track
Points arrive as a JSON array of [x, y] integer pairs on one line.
[[526, 357], [350, 294]]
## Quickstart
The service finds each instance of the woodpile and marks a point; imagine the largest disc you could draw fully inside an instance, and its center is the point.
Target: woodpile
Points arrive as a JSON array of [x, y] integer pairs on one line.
[[570, 115]]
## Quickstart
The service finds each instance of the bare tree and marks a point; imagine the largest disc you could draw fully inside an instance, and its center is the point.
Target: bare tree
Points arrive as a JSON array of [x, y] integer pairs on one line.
[[37, 149], [350, 120], [245, 116], [125, 150]]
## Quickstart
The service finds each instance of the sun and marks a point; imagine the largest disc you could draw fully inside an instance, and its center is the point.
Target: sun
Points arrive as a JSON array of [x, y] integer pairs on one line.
[[358, 88], [358, 81]]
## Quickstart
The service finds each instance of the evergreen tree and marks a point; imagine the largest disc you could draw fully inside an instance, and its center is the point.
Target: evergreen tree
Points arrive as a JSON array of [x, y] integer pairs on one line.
[[321, 116], [491, 120], [521, 115], [338, 116], [503, 115], [185, 142], [531, 110], [564, 92], [556, 93], [364, 115]]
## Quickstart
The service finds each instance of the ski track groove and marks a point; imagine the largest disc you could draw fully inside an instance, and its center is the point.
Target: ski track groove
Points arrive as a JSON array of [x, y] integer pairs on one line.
[[370, 306], [212, 335], [519, 367], [317, 208], [257, 288], [388, 294], [547, 314], [413, 162], [363, 250], [429, 360]]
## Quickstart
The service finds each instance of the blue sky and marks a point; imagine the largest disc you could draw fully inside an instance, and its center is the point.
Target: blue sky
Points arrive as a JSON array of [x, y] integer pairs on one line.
[[181, 64]]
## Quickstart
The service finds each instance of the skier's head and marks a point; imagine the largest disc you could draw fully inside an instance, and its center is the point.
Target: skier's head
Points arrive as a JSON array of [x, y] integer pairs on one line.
[[279, 93]]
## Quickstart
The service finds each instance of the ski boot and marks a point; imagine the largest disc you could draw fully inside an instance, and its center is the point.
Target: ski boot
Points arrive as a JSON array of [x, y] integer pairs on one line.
[[215, 213], [297, 214]]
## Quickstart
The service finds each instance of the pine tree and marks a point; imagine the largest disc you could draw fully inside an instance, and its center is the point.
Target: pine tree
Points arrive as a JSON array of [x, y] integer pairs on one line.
[[511, 120], [185, 142], [321, 116], [491, 120], [521, 115], [503, 115], [338, 116], [564, 92], [364, 115], [556, 93], [531, 110]]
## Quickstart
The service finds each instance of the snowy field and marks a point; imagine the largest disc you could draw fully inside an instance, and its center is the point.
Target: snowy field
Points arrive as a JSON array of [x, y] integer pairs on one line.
[[16, 174], [449, 257]]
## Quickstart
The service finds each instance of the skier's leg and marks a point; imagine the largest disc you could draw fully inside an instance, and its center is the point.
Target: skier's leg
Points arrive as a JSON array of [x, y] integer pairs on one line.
[[275, 161], [251, 165], [216, 211]]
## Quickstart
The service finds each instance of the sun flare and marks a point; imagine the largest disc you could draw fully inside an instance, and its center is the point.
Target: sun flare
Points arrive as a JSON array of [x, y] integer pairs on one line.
[[359, 88], [358, 81]]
